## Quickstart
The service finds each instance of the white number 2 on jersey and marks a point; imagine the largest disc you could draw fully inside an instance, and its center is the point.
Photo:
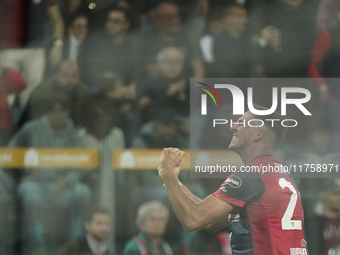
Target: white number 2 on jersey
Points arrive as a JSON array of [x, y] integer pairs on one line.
[[286, 221]]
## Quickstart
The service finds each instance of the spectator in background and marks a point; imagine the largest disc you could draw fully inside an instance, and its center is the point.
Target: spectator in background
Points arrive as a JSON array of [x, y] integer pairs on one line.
[[10, 82], [96, 11], [100, 131], [113, 50], [40, 14], [152, 218], [23, 24], [8, 215], [49, 190], [168, 31], [324, 68], [323, 224], [147, 15], [232, 47], [97, 226], [68, 8], [113, 90], [66, 80], [166, 128], [196, 12], [118, 98], [214, 26], [286, 31], [327, 15], [211, 243], [166, 89], [77, 32]]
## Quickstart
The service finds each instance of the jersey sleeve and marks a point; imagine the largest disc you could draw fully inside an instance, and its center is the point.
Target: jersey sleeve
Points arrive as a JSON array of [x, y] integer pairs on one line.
[[241, 188]]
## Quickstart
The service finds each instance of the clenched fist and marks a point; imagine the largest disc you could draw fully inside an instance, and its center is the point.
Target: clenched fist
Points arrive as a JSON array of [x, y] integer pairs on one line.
[[171, 162]]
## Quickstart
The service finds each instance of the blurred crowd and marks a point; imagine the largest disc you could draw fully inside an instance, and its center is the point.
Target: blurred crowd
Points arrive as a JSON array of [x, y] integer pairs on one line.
[[115, 74]]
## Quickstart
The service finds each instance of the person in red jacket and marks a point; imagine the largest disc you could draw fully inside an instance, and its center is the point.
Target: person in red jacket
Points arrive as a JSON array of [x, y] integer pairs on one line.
[[324, 68]]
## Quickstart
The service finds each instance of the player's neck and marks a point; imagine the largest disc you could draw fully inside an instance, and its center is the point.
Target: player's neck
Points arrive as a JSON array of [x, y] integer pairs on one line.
[[249, 155]]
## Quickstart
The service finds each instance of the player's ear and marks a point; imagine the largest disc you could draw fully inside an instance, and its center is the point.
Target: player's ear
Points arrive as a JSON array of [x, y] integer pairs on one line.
[[259, 135]]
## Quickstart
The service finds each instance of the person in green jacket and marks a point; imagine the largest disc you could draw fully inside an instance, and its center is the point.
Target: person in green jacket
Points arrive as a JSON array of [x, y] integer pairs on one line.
[[152, 218]]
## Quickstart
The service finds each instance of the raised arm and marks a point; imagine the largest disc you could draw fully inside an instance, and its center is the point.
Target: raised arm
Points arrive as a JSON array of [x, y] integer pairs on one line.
[[194, 198], [58, 28], [213, 227], [193, 215]]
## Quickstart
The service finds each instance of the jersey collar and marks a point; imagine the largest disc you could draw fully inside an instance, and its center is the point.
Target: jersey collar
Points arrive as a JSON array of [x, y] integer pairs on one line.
[[260, 156]]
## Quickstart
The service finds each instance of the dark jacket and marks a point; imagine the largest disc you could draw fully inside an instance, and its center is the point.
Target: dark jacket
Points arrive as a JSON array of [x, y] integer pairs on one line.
[[77, 247]]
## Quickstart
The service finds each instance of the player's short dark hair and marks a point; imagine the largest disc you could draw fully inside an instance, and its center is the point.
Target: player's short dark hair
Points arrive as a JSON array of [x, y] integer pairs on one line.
[[277, 129], [94, 211]]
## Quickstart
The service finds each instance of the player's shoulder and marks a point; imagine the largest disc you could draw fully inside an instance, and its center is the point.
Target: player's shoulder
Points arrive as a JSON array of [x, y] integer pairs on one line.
[[243, 180]]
